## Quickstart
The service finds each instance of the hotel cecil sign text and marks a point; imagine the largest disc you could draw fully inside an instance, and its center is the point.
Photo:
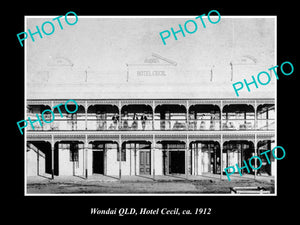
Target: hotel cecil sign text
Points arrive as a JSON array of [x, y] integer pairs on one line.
[[152, 69], [150, 73]]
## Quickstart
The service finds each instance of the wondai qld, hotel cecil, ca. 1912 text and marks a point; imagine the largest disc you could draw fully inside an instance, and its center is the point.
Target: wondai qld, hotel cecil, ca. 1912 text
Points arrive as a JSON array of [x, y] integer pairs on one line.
[[149, 211]]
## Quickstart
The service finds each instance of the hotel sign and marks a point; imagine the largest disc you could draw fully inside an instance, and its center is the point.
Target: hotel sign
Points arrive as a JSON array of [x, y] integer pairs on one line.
[[151, 73], [153, 68]]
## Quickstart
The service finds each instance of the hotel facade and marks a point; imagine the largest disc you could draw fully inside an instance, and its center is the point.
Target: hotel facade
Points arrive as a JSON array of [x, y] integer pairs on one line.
[[158, 120]]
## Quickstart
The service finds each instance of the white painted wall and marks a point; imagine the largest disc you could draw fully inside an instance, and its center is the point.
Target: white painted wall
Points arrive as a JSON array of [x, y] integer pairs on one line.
[[34, 158], [67, 167]]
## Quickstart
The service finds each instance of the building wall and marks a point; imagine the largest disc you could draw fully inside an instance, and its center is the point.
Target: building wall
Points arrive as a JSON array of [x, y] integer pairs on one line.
[[158, 162], [35, 161], [111, 165], [66, 166], [90, 161]]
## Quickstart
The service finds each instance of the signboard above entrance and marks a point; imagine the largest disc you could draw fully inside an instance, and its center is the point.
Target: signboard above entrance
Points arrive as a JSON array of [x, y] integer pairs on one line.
[[153, 68], [151, 73]]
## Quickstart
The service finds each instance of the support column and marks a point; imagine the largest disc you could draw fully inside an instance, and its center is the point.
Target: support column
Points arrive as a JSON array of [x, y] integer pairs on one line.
[[267, 120], [167, 161], [153, 113], [187, 115], [51, 124], [130, 164], [221, 156], [52, 157], [105, 159], [221, 115], [120, 117], [255, 116], [192, 157], [209, 157], [134, 159], [153, 156], [85, 115], [86, 145], [120, 156], [196, 158], [255, 153], [186, 157], [200, 157]]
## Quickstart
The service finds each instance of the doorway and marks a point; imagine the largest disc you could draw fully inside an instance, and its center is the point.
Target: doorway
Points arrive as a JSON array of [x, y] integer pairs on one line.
[[98, 162], [145, 162], [177, 162]]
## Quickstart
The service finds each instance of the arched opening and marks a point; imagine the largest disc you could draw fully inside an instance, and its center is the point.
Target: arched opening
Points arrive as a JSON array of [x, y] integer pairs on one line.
[[266, 117], [139, 157], [265, 168], [70, 158], [100, 151], [137, 117], [235, 152], [173, 153], [102, 117], [204, 117], [31, 112], [39, 158], [238, 117], [69, 121], [170, 117], [205, 157]]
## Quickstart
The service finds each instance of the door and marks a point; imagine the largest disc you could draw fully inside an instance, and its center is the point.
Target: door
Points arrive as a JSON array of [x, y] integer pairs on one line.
[[177, 162], [145, 163], [98, 162]]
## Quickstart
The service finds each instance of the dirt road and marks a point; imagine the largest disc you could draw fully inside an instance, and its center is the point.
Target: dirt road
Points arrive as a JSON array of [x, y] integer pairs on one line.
[[180, 187]]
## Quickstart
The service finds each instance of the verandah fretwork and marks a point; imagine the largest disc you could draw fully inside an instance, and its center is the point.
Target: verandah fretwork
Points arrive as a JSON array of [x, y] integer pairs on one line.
[[156, 137]]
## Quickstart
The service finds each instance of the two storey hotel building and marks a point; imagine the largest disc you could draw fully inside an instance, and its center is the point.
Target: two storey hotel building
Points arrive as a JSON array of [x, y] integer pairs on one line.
[[152, 119]]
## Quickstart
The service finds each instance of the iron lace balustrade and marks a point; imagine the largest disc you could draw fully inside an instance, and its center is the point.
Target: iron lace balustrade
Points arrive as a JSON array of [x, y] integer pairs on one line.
[[238, 124], [80, 124], [204, 124]]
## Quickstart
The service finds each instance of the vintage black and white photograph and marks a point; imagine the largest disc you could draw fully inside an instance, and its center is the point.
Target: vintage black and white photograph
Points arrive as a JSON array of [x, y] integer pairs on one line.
[[150, 105]]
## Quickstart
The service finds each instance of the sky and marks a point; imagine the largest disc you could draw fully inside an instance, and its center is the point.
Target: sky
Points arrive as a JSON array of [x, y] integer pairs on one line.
[[112, 42]]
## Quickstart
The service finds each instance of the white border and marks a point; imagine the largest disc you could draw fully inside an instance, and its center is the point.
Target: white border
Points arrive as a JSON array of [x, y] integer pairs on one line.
[[146, 194]]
